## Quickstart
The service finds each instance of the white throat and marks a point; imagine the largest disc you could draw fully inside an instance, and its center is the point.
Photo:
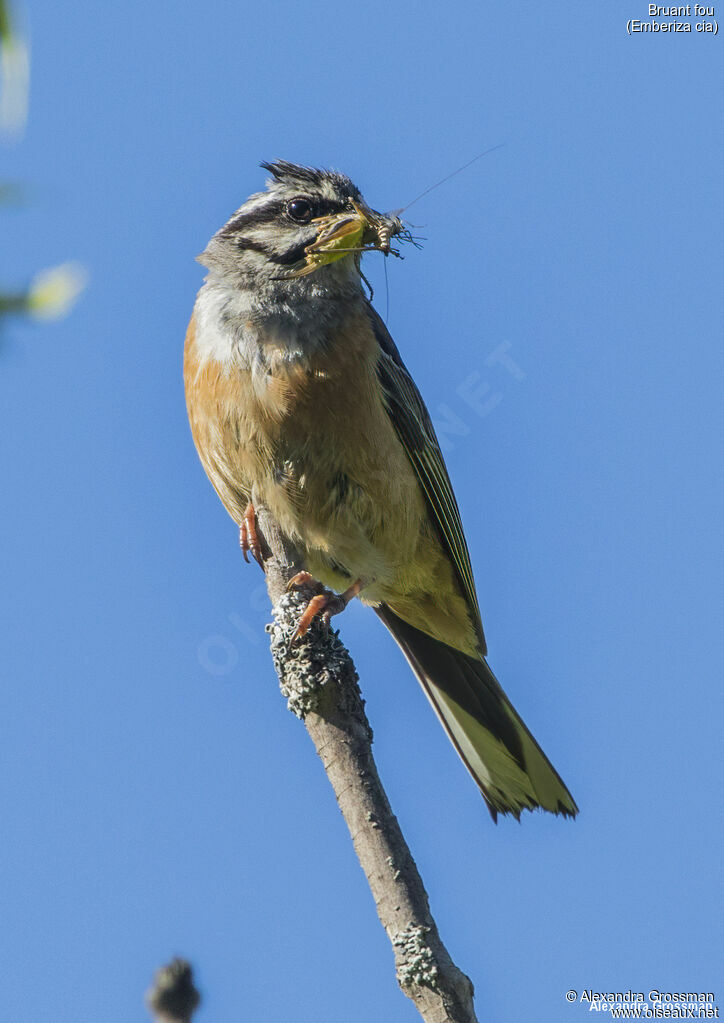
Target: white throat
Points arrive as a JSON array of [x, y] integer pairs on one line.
[[239, 325]]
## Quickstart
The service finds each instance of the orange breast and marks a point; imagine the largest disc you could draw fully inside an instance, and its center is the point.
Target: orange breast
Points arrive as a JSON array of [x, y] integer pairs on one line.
[[298, 429], [213, 397], [313, 442]]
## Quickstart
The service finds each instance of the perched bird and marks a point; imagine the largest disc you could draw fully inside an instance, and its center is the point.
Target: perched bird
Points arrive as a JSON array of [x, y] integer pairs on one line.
[[298, 398]]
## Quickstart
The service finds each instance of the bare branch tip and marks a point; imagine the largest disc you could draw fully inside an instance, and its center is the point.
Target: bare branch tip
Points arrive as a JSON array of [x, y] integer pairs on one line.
[[173, 997]]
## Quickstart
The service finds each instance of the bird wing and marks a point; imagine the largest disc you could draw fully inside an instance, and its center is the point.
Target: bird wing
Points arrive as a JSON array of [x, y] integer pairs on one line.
[[414, 428]]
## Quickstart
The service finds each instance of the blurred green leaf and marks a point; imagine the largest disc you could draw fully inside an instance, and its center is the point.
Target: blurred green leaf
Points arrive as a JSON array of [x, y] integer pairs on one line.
[[52, 292], [11, 194], [14, 75], [5, 31], [51, 295]]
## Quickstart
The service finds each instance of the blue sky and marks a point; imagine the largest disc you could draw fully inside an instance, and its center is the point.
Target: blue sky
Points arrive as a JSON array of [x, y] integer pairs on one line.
[[156, 796]]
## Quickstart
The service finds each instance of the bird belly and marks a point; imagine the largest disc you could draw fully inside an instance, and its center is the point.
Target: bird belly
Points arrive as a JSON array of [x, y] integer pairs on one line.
[[312, 442]]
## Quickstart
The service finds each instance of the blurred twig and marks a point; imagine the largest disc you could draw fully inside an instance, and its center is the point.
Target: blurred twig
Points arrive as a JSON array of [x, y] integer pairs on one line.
[[11, 194], [14, 74], [51, 295], [53, 292], [173, 997]]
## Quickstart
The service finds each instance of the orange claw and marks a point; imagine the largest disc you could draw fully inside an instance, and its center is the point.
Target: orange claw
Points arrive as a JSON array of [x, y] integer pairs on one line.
[[303, 579], [249, 538], [325, 602]]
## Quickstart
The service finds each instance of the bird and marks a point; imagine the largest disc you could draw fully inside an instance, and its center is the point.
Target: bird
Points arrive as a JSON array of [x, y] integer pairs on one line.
[[299, 400]]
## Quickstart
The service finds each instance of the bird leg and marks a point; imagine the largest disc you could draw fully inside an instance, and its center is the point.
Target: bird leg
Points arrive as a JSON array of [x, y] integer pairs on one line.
[[249, 538], [324, 602]]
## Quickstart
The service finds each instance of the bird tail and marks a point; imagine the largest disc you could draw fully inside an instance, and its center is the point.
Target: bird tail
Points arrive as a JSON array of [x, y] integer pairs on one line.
[[511, 770]]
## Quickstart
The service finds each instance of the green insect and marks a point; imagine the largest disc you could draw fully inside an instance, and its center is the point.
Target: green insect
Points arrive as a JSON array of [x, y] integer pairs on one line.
[[342, 233]]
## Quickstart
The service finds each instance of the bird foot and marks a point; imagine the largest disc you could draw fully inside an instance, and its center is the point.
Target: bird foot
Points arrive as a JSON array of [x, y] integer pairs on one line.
[[324, 601], [249, 537]]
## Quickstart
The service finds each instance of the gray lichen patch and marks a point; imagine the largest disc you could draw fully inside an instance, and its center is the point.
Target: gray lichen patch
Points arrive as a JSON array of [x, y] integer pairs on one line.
[[314, 662], [415, 960], [395, 872]]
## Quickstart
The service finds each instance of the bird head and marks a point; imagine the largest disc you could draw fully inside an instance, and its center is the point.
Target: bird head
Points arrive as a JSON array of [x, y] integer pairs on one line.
[[307, 222]]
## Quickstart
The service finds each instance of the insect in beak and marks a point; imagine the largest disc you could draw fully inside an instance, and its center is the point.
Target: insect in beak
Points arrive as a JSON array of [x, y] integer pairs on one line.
[[381, 228], [359, 229]]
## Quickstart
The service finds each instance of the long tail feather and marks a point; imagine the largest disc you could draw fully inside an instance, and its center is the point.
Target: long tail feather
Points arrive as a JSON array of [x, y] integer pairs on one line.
[[511, 770]]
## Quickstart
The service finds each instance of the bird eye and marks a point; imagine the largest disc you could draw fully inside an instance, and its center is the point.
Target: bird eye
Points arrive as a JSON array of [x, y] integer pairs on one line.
[[299, 210]]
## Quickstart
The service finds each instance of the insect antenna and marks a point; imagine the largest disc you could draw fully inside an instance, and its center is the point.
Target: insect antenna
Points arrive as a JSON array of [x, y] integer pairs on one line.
[[397, 213]]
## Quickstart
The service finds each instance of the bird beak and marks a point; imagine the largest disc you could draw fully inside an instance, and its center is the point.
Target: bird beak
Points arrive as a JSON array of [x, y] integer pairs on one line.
[[338, 233], [362, 227], [341, 234]]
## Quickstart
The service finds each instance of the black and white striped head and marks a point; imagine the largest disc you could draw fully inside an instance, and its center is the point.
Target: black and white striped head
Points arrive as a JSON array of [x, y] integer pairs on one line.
[[268, 236]]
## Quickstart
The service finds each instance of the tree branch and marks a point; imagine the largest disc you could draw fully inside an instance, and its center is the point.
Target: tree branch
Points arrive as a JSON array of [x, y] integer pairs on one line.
[[320, 682]]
